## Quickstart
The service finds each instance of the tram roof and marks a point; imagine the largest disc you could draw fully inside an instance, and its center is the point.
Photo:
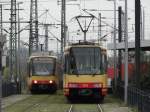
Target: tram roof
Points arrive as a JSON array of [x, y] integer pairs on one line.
[[84, 44], [41, 54]]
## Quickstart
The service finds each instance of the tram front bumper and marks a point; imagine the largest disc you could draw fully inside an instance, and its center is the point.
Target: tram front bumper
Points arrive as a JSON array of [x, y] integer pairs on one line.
[[85, 92]]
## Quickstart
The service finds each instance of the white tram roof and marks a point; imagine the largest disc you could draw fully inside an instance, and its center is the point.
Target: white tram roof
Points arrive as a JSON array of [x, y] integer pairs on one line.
[[42, 54], [86, 44]]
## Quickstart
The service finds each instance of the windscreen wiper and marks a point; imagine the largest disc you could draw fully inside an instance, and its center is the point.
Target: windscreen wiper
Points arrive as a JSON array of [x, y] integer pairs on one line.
[[74, 72], [95, 73]]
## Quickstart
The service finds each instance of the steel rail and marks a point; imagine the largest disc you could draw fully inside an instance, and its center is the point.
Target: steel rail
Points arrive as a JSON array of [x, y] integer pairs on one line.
[[70, 109], [100, 109]]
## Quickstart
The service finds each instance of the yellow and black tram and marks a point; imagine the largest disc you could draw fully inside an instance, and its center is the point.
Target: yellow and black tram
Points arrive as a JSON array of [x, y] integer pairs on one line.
[[43, 73], [85, 71]]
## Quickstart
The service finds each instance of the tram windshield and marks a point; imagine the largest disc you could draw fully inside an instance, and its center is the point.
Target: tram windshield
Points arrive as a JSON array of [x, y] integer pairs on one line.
[[43, 66], [85, 60]]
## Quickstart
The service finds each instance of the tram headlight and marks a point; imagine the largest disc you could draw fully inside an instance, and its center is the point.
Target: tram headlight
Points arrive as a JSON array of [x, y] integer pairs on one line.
[[50, 81], [35, 81]]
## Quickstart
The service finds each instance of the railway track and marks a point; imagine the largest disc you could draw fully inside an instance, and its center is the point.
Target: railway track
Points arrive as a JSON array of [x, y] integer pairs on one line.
[[70, 109], [37, 103], [99, 109]]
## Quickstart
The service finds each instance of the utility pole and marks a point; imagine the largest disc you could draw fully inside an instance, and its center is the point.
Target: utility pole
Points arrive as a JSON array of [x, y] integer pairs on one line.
[[143, 24], [63, 29], [19, 72], [13, 42], [46, 26], [126, 54], [1, 19], [137, 41], [63, 26], [115, 62], [99, 27], [33, 38], [46, 37], [119, 39], [2, 41], [1, 48], [41, 45]]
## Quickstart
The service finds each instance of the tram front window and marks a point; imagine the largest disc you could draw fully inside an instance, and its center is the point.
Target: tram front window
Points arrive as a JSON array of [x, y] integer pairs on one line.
[[43, 67], [85, 61]]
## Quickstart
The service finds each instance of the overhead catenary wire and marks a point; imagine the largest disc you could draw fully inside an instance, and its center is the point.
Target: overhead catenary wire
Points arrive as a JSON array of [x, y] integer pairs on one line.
[[54, 36]]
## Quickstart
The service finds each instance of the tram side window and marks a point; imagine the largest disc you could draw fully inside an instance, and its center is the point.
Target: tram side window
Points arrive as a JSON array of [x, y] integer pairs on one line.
[[104, 63], [66, 68], [105, 58], [28, 69]]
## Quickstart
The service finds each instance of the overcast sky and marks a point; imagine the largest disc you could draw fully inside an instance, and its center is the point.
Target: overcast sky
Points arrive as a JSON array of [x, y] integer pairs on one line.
[[53, 16]]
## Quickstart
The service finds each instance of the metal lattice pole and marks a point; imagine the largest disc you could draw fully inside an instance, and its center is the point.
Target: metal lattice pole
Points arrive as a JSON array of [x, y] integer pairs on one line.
[[115, 62], [33, 39], [1, 20], [19, 72], [13, 41], [46, 37], [143, 24], [99, 27], [63, 24], [46, 27], [1, 48], [119, 40], [1, 76]]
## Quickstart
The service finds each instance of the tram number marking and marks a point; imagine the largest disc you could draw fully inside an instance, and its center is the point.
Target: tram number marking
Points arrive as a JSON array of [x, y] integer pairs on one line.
[[85, 85]]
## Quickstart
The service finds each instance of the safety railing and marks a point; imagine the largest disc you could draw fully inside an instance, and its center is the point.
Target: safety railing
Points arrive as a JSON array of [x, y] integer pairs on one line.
[[136, 97], [9, 88]]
